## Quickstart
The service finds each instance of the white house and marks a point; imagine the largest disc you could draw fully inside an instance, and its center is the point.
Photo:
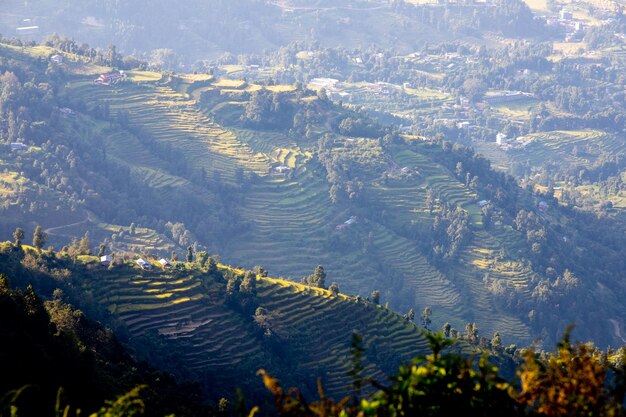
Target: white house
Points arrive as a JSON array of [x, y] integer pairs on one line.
[[106, 260], [16, 146], [500, 139], [144, 264], [350, 221], [282, 169], [67, 111], [165, 263]]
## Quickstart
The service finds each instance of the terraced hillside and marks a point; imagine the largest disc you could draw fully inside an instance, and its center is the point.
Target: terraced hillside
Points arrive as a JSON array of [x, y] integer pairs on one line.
[[261, 195], [291, 222], [173, 119], [572, 148], [313, 326]]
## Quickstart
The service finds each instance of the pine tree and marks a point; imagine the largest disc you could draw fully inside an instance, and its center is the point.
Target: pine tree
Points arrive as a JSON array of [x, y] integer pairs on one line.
[[174, 256], [202, 258], [375, 297], [318, 279], [189, 254], [410, 316], [102, 248], [212, 267], [39, 238], [84, 245], [248, 284], [496, 342], [446, 329], [426, 321], [18, 235]]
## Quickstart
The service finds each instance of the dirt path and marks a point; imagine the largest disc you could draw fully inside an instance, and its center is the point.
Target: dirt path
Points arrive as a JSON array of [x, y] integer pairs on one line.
[[53, 230]]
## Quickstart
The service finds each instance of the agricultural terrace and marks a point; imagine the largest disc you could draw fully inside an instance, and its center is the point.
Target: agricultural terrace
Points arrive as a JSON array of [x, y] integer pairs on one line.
[[571, 147], [188, 307], [172, 118], [292, 222]]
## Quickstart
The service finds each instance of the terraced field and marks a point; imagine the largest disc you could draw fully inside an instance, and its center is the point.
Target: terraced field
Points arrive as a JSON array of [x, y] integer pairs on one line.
[[576, 148], [188, 307], [428, 286], [291, 221], [172, 118]]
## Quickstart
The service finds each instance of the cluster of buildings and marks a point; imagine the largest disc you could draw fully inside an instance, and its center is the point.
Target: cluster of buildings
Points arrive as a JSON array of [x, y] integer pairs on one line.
[[574, 29], [111, 78], [142, 263], [520, 142]]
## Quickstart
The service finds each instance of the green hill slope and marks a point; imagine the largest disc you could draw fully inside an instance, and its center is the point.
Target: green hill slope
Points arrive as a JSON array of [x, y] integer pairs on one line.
[[312, 325], [191, 317], [199, 159]]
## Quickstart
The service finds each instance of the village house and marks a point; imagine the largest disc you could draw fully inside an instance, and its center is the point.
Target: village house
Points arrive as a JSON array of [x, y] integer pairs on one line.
[[282, 169], [565, 14], [106, 260], [16, 146], [343, 226], [111, 78], [165, 263], [144, 264]]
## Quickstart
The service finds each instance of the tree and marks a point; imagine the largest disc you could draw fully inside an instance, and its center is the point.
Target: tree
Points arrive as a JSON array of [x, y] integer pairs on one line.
[[446, 329], [133, 229], [248, 284], [212, 267], [375, 297], [334, 288], [430, 200], [202, 258], [318, 279], [18, 235], [459, 169], [39, 238], [260, 271], [410, 316], [496, 342], [84, 245], [474, 89], [174, 256], [102, 248], [189, 254], [426, 321]]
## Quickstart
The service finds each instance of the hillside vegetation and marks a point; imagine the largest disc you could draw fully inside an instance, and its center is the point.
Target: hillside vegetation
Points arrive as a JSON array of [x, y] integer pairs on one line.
[[281, 177], [219, 325]]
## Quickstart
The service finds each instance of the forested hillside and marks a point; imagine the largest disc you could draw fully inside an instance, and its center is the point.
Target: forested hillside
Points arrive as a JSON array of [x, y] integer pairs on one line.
[[280, 176]]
